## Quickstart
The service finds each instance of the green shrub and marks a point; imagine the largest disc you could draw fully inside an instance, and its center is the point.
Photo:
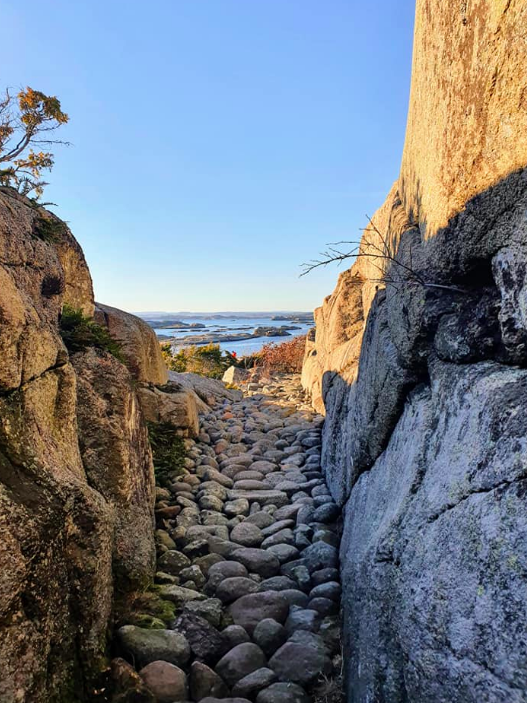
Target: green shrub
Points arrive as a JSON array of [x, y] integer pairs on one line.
[[168, 451], [79, 332], [206, 360], [48, 229]]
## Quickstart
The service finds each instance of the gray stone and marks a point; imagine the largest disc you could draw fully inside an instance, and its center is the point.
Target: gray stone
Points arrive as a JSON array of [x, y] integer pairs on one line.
[[210, 610], [247, 534], [261, 519], [173, 562], [269, 635], [231, 589], [284, 552], [251, 684], [302, 659], [320, 556], [283, 692], [277, 583], [240, 661], [258, 561], [249, 610], [303, 619], [147, 646], [331, 590], [235, 634], [205, 682]]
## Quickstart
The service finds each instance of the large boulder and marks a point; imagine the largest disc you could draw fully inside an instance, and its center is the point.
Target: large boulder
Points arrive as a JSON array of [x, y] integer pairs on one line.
[[171, 404], [139, 343]]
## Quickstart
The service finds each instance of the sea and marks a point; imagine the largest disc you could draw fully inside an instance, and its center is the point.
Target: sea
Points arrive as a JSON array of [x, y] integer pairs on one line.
[[238, 325]]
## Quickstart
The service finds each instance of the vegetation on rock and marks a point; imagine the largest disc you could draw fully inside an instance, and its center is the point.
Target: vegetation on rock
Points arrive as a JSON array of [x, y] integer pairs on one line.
[[79, 332], [168, 450], [286, 357], [27, 121], [207, 360]]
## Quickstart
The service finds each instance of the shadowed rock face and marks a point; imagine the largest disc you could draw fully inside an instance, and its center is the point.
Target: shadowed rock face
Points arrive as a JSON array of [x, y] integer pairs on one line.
[[423, 384]]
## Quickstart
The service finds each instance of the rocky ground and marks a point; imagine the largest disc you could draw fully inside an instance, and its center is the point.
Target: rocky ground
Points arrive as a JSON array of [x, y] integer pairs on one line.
[[247, 559]]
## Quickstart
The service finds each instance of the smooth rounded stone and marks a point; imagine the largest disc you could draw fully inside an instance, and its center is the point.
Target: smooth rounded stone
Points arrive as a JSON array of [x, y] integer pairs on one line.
[[323, 499], [206, 562], [258, 561], [329, 512], [302, 577], [295, 597], [233, 588], [233, 470], [330, 589], [269, 635], [249, 485], [222, 571], [236, 507], [265, 467], [320, 556], [263, 497], [206, 643], [249, 610], [302, 540], [288, 487], [284, 552], [211, 502], [217, 477], [302, 659], [209, 609], [288, 512], [239, 662], [250, 475], [147, 646], [304, 515], [162, 578], [324, 606], [260, 518], [272, 479], [210, 518], [224, 547], [178, 594], [296, 459], [251, 684], [162, 537], [197, 548], [255, 508], [166, 681], [283, 692], [209, 461], [285, 536], [247, 534], [211, 699], [277, 583], [235, 634], [277, 526], [180, 487], [302, 619], [244, 460], [302, 495], [205, 682]]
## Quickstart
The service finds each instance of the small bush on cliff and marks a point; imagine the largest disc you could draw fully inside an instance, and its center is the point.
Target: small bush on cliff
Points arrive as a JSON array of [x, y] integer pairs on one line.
[[79, 332], [48, 229], [27, 123], [207, 360], [286, 357], [168, 451]]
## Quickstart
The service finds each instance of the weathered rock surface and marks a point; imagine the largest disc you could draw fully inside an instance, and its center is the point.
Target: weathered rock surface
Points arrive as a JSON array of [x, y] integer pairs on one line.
[[138, 341], [422, 380], [62, 534]]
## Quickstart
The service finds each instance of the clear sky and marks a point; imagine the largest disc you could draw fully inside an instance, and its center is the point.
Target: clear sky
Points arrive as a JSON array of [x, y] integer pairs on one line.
[[217, 144]]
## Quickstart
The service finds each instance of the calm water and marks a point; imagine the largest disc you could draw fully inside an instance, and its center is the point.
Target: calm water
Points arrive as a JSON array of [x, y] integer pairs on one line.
[[238, 326]]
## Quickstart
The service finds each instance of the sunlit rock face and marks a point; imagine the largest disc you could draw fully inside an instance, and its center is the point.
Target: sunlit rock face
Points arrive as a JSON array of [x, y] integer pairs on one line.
[[420, 370]]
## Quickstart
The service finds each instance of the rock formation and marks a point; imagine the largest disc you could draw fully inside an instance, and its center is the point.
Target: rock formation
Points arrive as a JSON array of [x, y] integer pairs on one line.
[[423, 378], [76, 473]]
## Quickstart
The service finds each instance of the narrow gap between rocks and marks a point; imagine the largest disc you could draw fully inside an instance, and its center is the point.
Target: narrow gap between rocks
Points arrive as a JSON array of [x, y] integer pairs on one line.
[[247, 593]]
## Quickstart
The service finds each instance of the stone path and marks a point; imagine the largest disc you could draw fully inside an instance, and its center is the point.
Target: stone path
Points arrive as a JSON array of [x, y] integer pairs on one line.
[[248, 553]]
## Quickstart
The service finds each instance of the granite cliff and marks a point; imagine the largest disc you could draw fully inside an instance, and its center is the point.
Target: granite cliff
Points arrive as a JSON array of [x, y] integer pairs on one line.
[[422, 379], [76, 472]]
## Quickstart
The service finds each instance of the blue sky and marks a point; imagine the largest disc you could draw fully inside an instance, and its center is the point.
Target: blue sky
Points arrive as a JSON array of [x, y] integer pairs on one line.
[[217, 144]]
